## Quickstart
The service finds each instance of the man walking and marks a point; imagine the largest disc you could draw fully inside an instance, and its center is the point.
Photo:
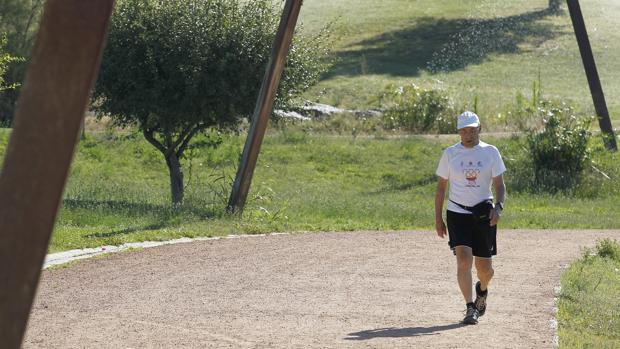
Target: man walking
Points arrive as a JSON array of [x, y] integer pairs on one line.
[[471, 167]]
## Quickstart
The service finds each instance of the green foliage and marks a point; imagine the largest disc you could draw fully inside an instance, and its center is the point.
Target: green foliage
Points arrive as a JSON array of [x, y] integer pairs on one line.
[[559, 151], [597, 180], [589, 307], [555, 154], [173, 63], [19, 21], [419, 110], [5, 59], [178, 68], [524, 114], [608, 248]]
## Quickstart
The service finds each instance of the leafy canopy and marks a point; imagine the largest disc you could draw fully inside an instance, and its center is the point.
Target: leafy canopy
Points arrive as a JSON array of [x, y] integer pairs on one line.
[[173, 65]]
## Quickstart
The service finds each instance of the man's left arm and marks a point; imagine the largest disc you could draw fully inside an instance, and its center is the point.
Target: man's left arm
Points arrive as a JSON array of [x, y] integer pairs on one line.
[[500, 195]]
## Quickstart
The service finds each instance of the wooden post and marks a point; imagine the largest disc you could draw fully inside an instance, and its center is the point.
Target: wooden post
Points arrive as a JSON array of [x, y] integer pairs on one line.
[[53, 100], [592, 74], [264, 105]]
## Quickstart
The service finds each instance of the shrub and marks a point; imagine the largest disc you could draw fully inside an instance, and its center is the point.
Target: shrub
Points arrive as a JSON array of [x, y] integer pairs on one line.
[[419, 110], [559, 150], [608, 248]]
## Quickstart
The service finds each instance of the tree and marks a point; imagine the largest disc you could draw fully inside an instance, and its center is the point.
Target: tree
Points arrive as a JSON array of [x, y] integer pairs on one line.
[[176, 68], [19, 21]]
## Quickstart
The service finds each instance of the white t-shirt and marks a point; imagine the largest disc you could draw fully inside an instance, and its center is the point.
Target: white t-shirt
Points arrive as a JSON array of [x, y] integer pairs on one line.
[[470, 172]]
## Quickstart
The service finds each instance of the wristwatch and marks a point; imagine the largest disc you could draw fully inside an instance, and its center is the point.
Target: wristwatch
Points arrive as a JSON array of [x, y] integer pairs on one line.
[[500, 205]]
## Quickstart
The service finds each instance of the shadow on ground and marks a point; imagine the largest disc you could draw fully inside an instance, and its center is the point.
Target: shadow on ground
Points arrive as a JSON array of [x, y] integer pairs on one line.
[[156, 216], [200, 209], [127, 231], [392, 332], [112, 205], [438, 44]]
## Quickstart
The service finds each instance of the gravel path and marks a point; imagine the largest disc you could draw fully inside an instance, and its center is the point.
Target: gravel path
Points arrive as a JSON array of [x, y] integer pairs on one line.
[[311, 290]]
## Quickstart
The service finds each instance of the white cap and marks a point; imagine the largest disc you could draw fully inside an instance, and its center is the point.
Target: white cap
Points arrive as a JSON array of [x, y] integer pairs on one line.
[[467, 119]]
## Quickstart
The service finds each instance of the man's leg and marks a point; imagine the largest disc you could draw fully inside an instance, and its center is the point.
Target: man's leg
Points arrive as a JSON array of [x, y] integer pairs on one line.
[[464, 260], [484, 269]]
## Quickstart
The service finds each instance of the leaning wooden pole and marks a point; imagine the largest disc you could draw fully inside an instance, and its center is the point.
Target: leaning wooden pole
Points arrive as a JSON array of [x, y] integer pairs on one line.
[[46, 126], [592, 74], [264, 105]]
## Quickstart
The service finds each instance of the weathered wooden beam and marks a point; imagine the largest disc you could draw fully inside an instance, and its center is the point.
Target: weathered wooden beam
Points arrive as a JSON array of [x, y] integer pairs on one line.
[[64, 65], [264, 105], [598, 97]]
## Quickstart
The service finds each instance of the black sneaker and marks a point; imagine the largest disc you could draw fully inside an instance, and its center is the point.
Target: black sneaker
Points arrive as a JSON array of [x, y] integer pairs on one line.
[[471, 315], [481, 299]]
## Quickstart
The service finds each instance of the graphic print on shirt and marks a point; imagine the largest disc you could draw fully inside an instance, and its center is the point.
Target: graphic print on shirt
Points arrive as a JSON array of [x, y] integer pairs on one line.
[[471, 171]]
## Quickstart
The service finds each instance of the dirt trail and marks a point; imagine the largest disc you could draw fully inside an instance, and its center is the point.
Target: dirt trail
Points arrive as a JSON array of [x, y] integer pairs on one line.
[[313, 290]]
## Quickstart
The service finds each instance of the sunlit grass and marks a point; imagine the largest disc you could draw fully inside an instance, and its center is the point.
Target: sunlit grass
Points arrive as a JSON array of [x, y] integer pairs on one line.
[[589, 306], [493, 49], [118, 189]]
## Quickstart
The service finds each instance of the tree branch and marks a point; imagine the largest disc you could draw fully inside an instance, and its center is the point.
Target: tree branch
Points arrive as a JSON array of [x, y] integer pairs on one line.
[[168, 143], [181, 139], [33, 9], [148, 134], [188, 137]]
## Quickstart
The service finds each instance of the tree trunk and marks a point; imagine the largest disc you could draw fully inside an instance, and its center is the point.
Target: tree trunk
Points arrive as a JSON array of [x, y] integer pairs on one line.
[[176, 178]]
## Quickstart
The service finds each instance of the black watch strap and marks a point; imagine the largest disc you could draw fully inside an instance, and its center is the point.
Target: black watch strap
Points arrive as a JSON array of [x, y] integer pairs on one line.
[[500, 205]]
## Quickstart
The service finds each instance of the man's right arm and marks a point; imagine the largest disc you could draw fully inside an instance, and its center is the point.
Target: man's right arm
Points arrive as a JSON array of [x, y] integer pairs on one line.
[[440, 196]]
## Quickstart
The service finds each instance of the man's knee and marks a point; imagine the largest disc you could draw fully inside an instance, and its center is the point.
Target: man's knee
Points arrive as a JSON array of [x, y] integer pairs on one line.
[[463, 265], [485, 271], [464, 258]]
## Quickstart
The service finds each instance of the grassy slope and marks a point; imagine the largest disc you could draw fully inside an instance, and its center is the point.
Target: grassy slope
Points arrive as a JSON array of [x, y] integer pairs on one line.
[[491, 49]]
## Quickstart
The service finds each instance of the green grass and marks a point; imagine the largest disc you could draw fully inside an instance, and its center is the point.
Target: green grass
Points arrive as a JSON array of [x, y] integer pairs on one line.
[[118, 189], [589, 306], [490, 49]]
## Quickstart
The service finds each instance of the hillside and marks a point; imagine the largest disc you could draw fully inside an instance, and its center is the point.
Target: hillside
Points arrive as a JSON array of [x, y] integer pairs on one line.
[[489, 49]]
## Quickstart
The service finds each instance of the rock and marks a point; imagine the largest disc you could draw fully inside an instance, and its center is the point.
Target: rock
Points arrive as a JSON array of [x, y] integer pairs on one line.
[[312, 110], [291, 115]]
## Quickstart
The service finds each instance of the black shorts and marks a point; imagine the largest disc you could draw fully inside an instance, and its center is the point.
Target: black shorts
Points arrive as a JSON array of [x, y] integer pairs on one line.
[[464, 231]]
